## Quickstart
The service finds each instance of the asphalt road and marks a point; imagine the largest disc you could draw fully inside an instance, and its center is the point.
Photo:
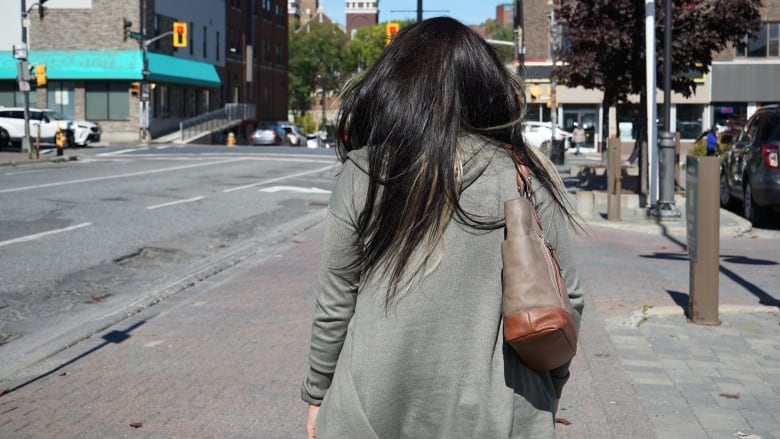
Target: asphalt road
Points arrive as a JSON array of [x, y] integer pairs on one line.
[[86, 242]]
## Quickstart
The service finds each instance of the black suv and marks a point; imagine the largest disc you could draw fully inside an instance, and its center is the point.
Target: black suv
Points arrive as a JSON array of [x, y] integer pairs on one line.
[[750, 171]]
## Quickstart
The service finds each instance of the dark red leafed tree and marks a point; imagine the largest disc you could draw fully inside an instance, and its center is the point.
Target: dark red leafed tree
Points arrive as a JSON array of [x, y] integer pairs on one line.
[[605, 42]]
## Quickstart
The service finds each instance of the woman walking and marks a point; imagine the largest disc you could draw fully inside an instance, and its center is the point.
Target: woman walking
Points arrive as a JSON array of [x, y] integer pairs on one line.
[[407, 335]]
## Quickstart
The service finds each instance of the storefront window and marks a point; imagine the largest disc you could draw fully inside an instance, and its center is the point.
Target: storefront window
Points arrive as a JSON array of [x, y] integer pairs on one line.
[[107, 100], [628, 121], [10, 96], [60, 98], [730, 116], [689, 120]]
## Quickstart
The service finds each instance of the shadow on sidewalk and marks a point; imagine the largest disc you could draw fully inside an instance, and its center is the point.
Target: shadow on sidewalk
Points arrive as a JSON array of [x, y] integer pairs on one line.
[[113, 337]]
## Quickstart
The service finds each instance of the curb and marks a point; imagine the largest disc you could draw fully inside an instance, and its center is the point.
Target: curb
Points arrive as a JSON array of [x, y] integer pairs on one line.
[[638, 317]]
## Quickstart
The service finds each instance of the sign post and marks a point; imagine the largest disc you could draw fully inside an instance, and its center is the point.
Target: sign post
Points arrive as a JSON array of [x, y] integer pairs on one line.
[[702, 208]]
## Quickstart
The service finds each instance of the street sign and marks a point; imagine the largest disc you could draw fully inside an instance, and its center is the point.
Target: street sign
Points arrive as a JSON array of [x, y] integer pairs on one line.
[[20, 52], [138, 36]]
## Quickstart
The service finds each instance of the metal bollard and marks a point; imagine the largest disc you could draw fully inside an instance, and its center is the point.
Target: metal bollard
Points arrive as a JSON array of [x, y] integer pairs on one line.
[[614, 177]]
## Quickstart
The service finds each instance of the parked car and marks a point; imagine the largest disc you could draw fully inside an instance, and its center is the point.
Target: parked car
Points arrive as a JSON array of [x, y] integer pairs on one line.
[[294, 134], [750, 170], [538, 134], [45, 122], [269, 133]]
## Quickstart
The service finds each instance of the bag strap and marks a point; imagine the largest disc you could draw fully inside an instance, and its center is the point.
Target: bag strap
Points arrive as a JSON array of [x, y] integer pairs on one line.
[[523, 173]]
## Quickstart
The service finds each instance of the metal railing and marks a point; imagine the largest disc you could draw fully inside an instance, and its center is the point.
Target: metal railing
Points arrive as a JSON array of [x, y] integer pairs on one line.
[[230, 115]]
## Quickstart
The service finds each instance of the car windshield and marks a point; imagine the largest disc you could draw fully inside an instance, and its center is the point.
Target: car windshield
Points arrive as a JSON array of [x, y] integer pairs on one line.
[[53, 115]]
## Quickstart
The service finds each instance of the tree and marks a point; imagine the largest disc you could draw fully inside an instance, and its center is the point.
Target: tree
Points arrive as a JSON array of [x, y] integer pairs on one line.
[[495, 31], [366, 46], [317, 60], [605, 47]]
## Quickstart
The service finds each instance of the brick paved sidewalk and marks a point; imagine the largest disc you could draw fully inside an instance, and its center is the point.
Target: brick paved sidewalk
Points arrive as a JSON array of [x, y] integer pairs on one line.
[[225, 358], [644, 371]]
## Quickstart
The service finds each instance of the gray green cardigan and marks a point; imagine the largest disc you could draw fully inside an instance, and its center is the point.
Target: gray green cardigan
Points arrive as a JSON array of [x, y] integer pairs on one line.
[[435, 364]]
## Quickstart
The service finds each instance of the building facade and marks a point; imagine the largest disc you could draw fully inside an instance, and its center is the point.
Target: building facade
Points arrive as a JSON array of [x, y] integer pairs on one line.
[[505, 14], [234, 52], [361, 13], [257, 55], [737, 85]]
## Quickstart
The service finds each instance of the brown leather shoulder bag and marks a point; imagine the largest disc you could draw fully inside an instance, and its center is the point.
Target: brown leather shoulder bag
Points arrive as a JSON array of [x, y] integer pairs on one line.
[[537, 314]]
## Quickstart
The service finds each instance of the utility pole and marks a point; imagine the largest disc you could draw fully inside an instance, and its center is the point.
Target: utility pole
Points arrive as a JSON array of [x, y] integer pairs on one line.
[[143, 112], [25, 85], [519, 38], [419, 10], [554, 37], [665, 207]]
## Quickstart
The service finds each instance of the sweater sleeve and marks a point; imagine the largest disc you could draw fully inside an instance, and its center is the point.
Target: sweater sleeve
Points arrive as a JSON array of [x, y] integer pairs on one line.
[[337, 292]]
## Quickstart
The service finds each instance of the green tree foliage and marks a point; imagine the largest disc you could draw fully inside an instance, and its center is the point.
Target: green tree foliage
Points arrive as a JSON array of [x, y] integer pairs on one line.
[[606, 41], [317, 57], [366, 46], [495, 31]]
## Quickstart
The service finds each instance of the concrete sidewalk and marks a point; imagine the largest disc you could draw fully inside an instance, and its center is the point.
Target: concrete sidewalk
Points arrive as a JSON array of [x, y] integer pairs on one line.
[[225, 357]]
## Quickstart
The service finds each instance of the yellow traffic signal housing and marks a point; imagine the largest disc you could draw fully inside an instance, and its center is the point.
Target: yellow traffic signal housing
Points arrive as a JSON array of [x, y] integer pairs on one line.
[[390, 30], [135, 88], [179, 34], [552, 94], [535, 91], [40, 75]]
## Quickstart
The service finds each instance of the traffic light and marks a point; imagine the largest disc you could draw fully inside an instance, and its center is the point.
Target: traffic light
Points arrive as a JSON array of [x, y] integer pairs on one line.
[[126, 25], [41, 9], [390, 30], [135, 88], [179, 34], [40, 75], [535, 91], [552, 94]]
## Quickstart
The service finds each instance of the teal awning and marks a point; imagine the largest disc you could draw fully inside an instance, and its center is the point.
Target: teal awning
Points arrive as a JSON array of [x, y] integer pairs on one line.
[[64, 65]]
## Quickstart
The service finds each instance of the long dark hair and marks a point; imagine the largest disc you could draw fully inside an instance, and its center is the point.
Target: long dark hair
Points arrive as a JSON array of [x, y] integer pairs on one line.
[[437, 80]]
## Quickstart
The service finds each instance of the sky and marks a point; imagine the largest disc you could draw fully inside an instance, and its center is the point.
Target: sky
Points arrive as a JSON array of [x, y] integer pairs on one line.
[[467, 11]]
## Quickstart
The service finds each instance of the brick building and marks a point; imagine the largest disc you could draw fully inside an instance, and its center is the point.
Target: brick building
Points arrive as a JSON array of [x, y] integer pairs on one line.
[[361, 13]]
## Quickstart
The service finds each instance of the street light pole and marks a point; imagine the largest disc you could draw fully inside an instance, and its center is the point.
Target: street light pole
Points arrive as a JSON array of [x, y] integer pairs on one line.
[[25, 87], [665, 207], [553, 84], [519, 38], [419, 10]]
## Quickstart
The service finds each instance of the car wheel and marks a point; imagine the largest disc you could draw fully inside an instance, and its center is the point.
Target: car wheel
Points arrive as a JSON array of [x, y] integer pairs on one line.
[[5, 139], [725, 191], [752, 212]]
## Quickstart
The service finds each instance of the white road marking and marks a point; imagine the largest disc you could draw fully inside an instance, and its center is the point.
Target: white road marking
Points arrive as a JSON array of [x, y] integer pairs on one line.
[[121, 151], [42, 234], [303, 190], [173, 203], [273, 180], [154, 343], [109, 177]]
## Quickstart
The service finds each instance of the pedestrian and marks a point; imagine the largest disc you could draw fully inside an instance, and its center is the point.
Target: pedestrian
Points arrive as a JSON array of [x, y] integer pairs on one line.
[[407, 334], [712, 142], [578, 137]]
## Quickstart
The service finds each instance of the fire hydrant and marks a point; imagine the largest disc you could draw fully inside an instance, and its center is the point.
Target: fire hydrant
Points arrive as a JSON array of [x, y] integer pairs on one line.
[[59, 140], [231, 139]]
